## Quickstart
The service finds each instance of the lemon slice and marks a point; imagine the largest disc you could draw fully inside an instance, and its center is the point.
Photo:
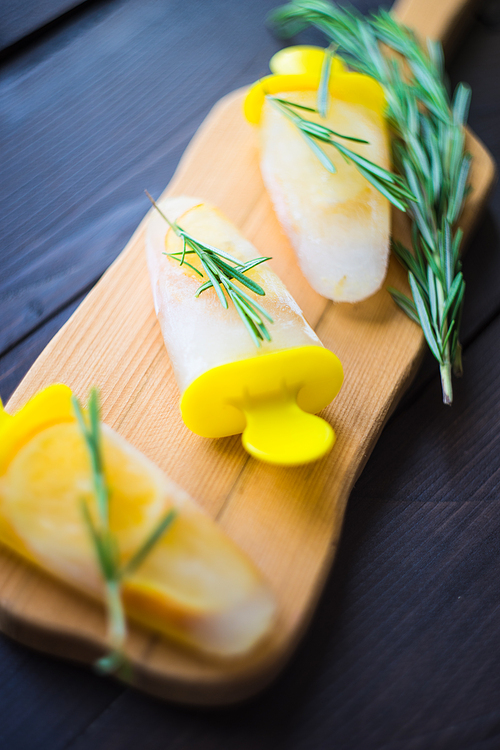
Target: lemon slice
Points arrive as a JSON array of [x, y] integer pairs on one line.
[[195, 586]]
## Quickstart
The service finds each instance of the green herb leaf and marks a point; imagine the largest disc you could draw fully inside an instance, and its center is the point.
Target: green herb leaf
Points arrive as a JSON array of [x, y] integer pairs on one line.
[[423, 316], [138, 558], [221, 268], [405, 303]]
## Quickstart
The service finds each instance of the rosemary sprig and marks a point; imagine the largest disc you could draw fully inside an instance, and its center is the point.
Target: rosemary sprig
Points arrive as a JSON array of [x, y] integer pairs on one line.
[[389, 184], [428, 154], [223, 270], [105, 542]]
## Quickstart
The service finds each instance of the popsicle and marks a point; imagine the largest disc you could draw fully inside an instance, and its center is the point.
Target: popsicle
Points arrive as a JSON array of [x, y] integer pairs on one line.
[[271, 392], [338, 224], [195, 586]]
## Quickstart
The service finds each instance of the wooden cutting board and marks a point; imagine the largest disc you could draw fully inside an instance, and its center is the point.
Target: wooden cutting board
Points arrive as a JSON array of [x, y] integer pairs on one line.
[[287, 519]]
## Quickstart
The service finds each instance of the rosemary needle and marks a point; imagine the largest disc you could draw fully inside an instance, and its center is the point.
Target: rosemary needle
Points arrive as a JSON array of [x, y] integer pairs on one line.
[[105, 542], [222, 270], [428, 153]]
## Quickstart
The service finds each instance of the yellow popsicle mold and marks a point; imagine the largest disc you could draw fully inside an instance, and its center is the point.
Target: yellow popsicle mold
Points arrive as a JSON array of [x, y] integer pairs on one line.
[[48, 407], [272, 400], [299, 69]]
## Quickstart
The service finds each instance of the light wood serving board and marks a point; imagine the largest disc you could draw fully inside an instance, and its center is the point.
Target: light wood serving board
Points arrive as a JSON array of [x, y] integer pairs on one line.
[[287, 519]]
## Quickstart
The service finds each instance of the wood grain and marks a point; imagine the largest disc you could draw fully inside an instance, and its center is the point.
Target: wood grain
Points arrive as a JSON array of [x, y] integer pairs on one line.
[[288, 520], [22, 19], [443, 20]]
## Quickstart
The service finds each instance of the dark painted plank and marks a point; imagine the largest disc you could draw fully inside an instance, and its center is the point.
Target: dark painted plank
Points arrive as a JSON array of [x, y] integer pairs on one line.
[[22, 18], [90, 120], [403, 651], [15, 364], [46, 702], [97, 121]]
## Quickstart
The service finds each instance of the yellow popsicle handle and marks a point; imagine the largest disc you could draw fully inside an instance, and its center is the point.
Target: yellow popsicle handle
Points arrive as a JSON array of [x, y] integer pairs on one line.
[[271, 399], [278, 431]]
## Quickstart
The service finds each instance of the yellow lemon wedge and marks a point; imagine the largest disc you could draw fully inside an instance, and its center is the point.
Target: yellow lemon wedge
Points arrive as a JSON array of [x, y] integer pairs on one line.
[[195, 585]]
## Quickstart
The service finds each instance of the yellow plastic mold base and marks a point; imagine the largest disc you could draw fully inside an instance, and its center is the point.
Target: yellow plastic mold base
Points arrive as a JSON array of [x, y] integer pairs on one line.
[[50, 406], [299, 69], [272, 400]]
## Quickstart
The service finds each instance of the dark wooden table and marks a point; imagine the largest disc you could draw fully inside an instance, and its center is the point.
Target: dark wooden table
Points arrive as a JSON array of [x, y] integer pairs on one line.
[[99, 100]]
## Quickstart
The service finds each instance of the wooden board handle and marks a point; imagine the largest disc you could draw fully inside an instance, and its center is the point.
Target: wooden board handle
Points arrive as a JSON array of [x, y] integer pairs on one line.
[[442, 20]]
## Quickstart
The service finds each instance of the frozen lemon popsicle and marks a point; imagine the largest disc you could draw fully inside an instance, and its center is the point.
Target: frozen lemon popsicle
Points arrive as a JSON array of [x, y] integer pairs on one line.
[[230, 381], [194, 585], [337, 221]]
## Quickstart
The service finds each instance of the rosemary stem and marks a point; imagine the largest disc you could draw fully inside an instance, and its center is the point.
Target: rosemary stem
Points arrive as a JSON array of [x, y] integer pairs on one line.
[[446, 384], [445, 368], [117, 629]]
